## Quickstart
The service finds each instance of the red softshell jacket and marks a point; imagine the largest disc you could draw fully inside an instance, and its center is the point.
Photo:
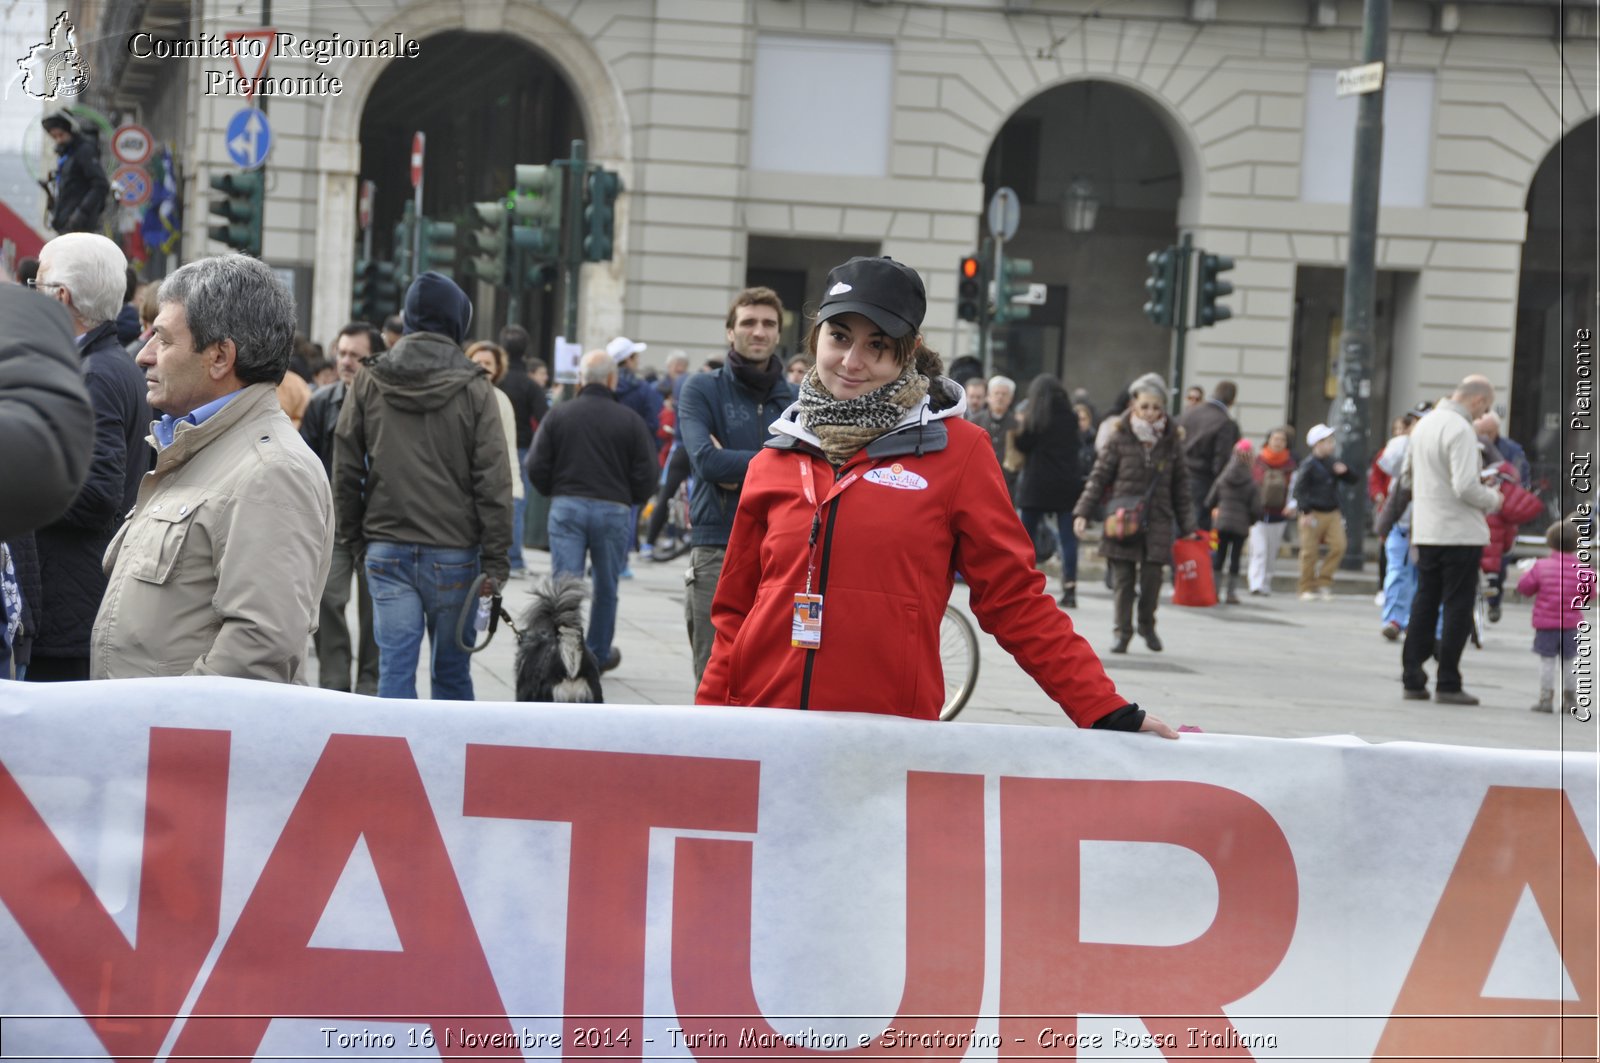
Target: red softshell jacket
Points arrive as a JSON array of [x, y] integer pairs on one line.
[[931, 500]]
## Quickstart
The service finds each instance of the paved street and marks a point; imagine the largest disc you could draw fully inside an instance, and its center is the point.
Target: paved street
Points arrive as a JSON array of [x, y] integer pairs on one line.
[[1272, 666]]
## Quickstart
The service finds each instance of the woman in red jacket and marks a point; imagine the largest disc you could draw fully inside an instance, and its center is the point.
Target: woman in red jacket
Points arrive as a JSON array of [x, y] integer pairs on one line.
[[852, 521]]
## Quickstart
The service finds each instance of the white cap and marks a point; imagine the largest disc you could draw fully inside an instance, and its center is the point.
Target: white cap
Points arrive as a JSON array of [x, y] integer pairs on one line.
[[622, 348], [1318, 433]]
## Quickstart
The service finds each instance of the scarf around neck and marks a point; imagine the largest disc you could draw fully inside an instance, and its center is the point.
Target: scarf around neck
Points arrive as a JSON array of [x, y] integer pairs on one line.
[[844, 426], [1146, 432], [757, 376]]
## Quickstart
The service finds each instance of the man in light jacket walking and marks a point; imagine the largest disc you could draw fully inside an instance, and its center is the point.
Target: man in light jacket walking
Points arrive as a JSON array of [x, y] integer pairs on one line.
[[1448, 528]]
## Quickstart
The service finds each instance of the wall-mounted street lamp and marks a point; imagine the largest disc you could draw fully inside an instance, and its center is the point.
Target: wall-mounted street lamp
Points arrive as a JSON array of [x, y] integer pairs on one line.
[[1080, 206]]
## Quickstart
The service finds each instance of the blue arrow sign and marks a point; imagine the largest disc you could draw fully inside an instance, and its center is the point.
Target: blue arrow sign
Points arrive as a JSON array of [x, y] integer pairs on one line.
[[249, 138]]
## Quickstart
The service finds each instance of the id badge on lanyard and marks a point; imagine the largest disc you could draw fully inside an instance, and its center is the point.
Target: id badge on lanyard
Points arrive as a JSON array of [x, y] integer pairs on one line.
[[805, 628]]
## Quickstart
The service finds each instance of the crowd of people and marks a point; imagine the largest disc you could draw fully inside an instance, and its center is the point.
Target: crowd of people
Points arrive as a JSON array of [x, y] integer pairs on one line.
[[237, 488]]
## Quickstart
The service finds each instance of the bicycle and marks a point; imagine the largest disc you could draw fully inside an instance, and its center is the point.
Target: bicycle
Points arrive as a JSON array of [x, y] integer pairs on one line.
[[958, 655], [677, 526]]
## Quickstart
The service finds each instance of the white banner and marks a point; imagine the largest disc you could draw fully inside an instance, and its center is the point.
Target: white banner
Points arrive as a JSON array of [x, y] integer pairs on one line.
[[211, 869]]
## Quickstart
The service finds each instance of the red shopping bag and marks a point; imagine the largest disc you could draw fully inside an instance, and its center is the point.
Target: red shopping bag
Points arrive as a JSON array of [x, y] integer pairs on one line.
[[1191, 568]]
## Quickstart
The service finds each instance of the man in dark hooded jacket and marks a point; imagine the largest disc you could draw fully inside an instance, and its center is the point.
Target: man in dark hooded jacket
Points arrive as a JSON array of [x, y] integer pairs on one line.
[[422, 483], [81, 186]]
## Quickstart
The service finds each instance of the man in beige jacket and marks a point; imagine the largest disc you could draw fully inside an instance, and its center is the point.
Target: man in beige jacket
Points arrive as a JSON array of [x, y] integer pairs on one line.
[[220, 565]]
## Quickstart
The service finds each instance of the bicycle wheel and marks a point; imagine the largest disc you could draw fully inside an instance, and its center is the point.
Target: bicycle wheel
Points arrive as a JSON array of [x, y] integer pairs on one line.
[[1480, 617], [958, 654]]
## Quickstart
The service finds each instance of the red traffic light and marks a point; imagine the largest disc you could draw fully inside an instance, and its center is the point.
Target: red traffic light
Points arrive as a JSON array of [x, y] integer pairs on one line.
[[969, 267]]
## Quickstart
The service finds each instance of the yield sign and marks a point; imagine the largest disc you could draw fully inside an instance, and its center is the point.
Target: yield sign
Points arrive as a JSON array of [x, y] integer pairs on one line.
[[256, 53]]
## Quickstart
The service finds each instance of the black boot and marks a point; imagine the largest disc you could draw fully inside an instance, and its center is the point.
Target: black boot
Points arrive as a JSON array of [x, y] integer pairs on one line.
[[1069, 595], [1151, 640], [1121, 645]]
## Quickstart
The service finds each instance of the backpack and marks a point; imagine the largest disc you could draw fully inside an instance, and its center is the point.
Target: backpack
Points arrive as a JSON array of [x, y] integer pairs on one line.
[[1274, 488]]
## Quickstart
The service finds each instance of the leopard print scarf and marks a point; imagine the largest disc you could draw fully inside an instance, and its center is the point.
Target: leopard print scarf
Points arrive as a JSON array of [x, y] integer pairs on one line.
[[844, 426]]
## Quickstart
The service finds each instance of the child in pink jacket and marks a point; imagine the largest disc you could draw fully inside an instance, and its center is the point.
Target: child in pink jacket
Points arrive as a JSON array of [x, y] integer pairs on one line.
[[1562, 589]]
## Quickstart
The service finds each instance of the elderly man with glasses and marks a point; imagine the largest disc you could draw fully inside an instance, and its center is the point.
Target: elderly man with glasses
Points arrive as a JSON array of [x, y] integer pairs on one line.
[[86, 274]]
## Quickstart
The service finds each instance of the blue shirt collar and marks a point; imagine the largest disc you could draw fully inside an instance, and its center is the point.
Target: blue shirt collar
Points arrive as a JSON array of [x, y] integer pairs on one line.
[[167, 427]]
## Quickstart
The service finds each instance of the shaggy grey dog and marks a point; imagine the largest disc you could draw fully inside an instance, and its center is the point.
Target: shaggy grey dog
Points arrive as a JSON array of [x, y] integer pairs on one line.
[[553, 664]]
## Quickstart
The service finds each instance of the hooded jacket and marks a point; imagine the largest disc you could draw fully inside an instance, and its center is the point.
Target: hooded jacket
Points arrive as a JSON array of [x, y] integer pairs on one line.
[[46, 423], [420, 454], [640, 397], [219, 568], [1125, 468], [918, 503], [1236, 498]]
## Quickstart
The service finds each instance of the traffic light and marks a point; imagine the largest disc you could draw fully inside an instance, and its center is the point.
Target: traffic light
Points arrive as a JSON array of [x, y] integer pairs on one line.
[[404, 233], [437, 251], [385, 291], [360, 292], [1207, 310], [1161, 286], [971, 289], [536, 199], [599, 215], [1011, 283], [489, 240], [240, 210]]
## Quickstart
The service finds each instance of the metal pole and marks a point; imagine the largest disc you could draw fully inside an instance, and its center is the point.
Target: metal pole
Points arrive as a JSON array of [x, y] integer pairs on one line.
[[1350, 416], [416, 222], [999, 287], [572, 234], [985, 254], [1180, 320]]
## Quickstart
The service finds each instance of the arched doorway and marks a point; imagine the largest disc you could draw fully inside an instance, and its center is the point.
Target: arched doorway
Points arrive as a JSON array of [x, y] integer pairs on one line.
[[485, 102], [1556, 298], [1082, 143]]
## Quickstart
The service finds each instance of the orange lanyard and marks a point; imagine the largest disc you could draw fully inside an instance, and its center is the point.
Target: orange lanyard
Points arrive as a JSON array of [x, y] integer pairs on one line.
[[808, 486]]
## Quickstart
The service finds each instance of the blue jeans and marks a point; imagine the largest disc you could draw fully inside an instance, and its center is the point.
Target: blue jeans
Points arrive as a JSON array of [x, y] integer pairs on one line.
[[603, 530], [519, 509], [1032, 519], [1399, 578], [416, 589]]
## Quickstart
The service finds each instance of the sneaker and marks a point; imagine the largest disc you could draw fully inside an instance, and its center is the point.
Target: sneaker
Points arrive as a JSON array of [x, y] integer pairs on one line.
[[1325, 594], [1257, 592], [1415, 695], [626, 573], [1494, 612], [1391, 631], [1454, 697], [1307, 596], [1377, 599], [647, 550]]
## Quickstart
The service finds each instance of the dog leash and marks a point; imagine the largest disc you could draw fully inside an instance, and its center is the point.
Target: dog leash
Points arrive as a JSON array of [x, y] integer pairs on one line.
[[467, 623]]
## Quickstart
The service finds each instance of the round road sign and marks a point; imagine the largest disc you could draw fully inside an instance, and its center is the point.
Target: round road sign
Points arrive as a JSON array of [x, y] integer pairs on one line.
[[132, 144], [131, 185]]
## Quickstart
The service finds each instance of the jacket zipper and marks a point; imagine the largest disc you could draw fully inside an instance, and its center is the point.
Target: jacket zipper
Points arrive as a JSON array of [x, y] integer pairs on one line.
[[822, 589]]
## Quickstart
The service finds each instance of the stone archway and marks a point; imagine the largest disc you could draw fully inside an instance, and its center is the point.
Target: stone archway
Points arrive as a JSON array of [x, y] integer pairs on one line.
[[599, 100], [1110, 141], [1556, 296]]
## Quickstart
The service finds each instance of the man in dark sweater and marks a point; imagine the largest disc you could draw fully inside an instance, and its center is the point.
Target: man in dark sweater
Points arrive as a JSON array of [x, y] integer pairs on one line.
[[86, 273], [1316, 495], [594, 459]]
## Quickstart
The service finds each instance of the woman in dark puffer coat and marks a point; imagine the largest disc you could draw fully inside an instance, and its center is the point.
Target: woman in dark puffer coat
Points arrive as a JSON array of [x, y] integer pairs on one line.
[[1051, 482], [1142, 458]]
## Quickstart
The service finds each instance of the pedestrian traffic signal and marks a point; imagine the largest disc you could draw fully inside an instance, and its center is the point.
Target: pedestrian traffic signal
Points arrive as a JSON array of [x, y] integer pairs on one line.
[[1161, 286], [536, 200], [437, 249], [488, 242], [971, 289], [1012, 283], [1207, 310], [359, 294], [240, 210], [599, 215]]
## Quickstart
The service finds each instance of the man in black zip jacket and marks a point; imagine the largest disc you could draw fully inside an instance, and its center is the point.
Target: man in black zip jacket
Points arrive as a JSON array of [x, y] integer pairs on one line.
[[81, 186], [595, 460]]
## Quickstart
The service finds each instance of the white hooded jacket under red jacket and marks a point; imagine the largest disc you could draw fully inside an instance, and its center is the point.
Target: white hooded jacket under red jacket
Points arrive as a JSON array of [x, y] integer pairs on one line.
[[925, 500]]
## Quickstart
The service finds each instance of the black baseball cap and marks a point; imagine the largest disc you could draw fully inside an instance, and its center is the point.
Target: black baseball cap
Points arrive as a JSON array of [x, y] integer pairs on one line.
[[888, 293]]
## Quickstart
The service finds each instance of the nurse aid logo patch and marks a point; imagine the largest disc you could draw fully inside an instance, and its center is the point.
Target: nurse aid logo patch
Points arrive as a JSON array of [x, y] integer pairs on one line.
[[898, 477]]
